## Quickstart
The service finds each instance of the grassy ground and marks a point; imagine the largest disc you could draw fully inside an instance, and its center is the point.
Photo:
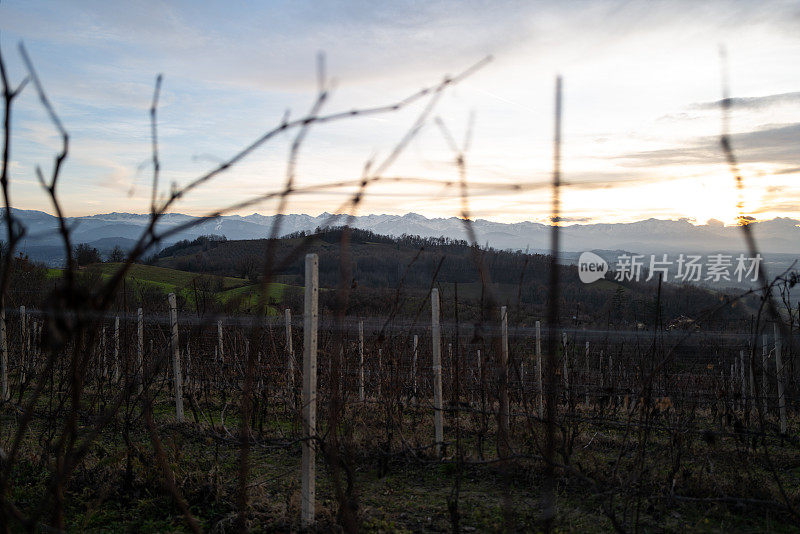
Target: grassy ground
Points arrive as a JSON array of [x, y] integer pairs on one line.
[[248, 294], [120, 489], [232, 291], [167, 278]]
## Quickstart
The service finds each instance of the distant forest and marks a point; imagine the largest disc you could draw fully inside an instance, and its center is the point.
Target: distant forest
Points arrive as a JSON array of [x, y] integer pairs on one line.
[[386, 275]]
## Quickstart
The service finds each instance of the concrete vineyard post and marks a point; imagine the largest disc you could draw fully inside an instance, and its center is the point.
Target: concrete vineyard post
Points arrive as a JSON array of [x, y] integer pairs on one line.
[[140, 348], [103, 355], [378, 377], [565, 357], [414, 371], [188, 358], [586, 357], [220, 346], [116, 348], [779, 377], [310, 323], [176, 357], [504, 407], [436, 352], [361, 360], [752, 384], [22, 344], [4, 393], [289, 354], [600, 370], [539, 368], [732, 388], [743, 380], [735, 386], [450, 366], [764, 354], [341, 372]]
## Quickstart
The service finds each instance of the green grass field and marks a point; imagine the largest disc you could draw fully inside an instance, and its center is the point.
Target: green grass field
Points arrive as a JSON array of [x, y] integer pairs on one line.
[[240, 292], [167, 277]]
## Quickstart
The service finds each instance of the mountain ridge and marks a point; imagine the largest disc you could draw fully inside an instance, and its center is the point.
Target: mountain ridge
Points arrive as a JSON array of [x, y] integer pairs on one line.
[[650, 236]]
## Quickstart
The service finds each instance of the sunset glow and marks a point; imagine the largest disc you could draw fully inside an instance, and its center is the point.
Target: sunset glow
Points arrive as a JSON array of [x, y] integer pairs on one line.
[[641, 123]]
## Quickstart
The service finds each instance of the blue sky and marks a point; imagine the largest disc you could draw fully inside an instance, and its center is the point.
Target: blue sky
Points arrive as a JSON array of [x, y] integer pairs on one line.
[[640, 124]]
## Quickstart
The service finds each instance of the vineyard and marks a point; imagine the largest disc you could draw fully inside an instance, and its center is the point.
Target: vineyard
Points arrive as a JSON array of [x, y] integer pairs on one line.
[[341, 380], [352, 419]]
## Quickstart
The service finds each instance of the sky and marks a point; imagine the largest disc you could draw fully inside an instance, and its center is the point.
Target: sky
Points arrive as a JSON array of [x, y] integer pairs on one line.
[[641, 117]]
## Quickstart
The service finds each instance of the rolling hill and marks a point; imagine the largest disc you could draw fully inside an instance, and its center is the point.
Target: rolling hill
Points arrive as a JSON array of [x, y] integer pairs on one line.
[[383, 275]]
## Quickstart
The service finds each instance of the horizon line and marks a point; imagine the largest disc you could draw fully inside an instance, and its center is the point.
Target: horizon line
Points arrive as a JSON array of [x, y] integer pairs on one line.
[[564, 223]]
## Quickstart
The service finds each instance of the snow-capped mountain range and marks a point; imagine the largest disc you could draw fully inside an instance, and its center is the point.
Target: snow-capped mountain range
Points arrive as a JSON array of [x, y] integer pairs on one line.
[[651, 236]]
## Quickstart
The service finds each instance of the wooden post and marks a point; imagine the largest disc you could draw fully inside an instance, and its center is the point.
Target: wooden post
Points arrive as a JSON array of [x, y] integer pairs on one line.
[[742, 380], [586, 380], [176, 357], [565, 356], [116, 348], [414, 371], [437, 372], [764, 354], [220, 346], [23, 335], [752, 384], [539, 368], [612, 379], [247, 356], [478, 367], [139, 372], [361, 360], [289, 354], [732, 389], [5, 394], [32, 345], [778, 375], [103, 352], [188, 366], [27, 341], [378, 373], [310, 321], [600, 371], [341, 371], [504, 415], [260, 373], [450, 365]]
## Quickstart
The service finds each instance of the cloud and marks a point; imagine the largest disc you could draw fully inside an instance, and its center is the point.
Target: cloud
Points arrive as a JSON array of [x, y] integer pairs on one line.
[[754, 102], [576, 219], [232, 69], [274, 44], [593, 180], [775, 144], [784, 207]]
